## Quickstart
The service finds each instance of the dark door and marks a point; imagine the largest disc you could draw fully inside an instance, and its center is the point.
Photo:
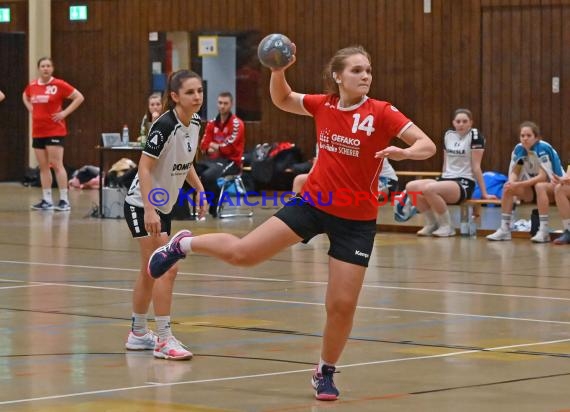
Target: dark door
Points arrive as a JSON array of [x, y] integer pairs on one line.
[[13, 113]]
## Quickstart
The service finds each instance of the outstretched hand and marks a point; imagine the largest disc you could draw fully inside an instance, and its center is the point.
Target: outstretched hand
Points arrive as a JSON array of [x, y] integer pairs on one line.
[[392, 153]]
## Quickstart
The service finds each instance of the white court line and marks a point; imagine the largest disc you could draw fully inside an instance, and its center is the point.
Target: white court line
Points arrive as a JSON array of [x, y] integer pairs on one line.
[[21, 286], [299, 302], [306, 282], [261, 375]]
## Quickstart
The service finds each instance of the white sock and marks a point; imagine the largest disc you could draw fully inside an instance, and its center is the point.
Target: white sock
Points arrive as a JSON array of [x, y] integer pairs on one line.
[[543, 219], [46, 195], [566, 224], [321, 363], [186, 244], [443, 219], [429, 218], [163, 327], [139, 324], [63, 195], [506, 221]]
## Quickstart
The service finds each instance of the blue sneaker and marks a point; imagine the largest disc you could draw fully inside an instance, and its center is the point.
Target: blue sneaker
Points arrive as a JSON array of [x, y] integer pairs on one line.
[[403, 209], [564, 239], [325, 389], [63, 206], [166, 256], [43, 205]]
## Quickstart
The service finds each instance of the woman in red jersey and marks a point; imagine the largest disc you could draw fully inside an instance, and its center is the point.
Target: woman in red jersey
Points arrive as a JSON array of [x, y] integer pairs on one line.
[[43, 98], [339, 197]]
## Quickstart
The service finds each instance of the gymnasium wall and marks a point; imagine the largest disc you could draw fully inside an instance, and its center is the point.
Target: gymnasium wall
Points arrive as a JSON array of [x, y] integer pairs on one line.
[[495, 57]]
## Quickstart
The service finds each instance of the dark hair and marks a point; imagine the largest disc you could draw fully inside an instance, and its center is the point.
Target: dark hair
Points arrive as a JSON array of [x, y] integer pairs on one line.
[[337, 64], [532, 125], [466, 112], [174, 84], [227, 94], [41, 59], [152, 96]]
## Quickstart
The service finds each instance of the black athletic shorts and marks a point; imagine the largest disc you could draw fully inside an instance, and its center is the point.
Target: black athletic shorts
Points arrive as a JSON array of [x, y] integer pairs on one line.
[[351, 241], [135, 220], [42, 142], [466, 187]]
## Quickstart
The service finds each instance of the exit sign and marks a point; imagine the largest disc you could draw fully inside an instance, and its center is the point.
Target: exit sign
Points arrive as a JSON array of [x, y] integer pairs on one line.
[[4, 15], [77, 13]]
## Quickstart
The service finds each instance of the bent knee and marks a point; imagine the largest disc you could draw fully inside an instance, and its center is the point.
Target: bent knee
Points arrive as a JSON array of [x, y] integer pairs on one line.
[[430, 189], [241, 258], [541, 187]]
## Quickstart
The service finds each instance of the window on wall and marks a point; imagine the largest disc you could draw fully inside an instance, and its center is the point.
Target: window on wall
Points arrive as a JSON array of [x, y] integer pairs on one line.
[[227, 61]]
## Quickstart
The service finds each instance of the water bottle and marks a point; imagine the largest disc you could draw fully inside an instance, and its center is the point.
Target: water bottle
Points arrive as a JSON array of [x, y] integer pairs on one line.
[[472, 227], [125, 137], [464, 221]]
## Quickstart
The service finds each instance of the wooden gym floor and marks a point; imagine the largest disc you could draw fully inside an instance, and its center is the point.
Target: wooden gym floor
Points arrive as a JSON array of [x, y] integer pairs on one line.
[[455, 324]]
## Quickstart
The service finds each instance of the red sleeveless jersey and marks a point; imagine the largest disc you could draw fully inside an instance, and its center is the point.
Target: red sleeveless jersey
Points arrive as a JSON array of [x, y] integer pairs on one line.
[[344, 179]]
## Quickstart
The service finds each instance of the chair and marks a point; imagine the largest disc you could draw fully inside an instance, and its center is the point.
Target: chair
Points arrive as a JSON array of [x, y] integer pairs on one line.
[[232, 185]]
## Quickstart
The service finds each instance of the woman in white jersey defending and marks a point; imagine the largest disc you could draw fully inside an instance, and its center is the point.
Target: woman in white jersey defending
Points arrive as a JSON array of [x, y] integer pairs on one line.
[[353, 135], [463, 151], [165, 163]]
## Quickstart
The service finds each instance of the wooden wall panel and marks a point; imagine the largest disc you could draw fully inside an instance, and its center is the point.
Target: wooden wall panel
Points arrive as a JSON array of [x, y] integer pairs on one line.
[[564, 146], [426, 64], [522, 50], [18, 16]]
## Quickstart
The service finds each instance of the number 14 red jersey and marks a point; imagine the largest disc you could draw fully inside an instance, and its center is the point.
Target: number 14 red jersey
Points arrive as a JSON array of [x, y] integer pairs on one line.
[[344, 179]]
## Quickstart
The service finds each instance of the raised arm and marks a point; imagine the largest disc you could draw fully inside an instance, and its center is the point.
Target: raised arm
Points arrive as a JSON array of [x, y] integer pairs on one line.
[[281, 93]]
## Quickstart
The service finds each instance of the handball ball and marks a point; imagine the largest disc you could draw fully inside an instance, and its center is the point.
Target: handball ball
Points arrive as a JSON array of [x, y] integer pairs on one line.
[[275, 51]]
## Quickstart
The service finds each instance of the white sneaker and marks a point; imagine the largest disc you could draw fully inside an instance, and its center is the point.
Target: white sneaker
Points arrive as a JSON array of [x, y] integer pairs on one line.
[[542, 236], [171, 349], [427, 230], [143, 342], [500, 234], [444, 231]]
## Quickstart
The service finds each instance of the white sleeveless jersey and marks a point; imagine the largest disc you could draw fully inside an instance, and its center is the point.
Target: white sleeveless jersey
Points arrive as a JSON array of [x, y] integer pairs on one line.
[[458, 153], [174, 146]]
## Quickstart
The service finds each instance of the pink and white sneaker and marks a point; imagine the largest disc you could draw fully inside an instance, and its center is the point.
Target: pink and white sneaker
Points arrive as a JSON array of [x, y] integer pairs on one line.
[[171, 349], [166, 256]]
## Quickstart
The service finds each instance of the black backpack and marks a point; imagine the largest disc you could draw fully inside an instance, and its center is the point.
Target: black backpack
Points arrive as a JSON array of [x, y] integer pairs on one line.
[[271, 160]]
